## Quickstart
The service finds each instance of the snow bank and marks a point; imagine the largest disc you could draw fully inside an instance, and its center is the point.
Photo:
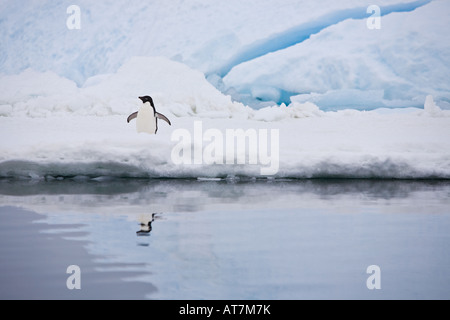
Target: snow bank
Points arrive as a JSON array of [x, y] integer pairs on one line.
[[312, 144]]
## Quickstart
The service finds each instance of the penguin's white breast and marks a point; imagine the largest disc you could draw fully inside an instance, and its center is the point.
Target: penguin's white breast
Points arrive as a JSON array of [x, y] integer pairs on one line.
[[146, 121]]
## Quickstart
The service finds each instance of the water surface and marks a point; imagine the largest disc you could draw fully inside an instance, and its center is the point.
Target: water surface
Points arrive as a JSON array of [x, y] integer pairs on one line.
[[188, 239]]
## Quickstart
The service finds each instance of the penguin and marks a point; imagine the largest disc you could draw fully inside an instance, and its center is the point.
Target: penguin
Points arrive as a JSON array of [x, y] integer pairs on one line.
[[147, 117]]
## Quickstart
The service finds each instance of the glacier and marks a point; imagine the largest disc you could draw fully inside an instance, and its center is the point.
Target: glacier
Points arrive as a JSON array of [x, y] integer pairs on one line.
[[348, 102], [297, 34], [401, 63]]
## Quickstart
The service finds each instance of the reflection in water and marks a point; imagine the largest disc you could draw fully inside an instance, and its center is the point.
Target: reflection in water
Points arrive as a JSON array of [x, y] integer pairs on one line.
[[127, 195], [33, 264], [213, 241], [146, 228], [146, 225]]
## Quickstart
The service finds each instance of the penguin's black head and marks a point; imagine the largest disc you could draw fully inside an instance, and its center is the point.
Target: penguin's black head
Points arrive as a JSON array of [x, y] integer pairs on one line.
[[147, 99]]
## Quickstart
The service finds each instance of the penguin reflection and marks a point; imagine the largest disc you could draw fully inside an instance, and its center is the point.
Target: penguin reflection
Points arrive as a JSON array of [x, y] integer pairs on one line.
[[146, 226]]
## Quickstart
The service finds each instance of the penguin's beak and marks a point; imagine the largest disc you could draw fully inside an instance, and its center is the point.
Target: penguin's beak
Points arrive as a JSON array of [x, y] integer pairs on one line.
[[142, 98]]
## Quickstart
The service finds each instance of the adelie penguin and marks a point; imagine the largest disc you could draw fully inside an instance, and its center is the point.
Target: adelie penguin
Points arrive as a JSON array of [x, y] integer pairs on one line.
[[147, 117]]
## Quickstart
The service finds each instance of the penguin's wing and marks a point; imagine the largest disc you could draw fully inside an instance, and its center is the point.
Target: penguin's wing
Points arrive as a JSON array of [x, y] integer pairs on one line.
[[162, 117], [132, 116]]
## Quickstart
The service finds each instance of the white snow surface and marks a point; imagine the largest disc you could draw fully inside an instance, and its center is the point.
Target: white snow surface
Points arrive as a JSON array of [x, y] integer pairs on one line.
[[61, 131], [65, 94]]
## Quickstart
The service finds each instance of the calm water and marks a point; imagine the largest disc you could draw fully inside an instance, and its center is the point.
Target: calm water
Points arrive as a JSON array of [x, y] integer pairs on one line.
[[225, 239]]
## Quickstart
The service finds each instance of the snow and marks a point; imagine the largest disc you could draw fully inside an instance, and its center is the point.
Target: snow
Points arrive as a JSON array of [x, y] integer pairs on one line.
[[345, 101], [358, 145], [431, 108], [46, 94], [62, 131]]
